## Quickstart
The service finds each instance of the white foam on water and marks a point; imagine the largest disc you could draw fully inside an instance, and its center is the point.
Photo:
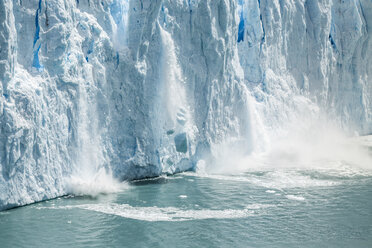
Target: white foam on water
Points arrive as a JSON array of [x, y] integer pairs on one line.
[[259, 206], [277, 179], [167, 213]]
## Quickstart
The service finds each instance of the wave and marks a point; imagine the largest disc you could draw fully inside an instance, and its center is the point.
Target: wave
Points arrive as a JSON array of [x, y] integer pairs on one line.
[[152, 214]]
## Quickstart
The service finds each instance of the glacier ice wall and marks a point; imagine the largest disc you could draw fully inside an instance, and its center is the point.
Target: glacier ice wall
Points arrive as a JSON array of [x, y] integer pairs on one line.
[[314, 49], [145, 87]]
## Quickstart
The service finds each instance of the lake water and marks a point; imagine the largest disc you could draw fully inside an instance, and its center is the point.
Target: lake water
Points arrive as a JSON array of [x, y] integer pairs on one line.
[[267, 208]]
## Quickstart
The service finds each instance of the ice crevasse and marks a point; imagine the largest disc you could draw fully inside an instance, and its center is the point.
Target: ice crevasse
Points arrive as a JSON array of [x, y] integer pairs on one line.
[[139, 88]]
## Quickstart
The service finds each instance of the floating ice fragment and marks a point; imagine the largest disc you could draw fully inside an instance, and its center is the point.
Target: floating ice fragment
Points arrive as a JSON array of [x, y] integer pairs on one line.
[[295, 197]]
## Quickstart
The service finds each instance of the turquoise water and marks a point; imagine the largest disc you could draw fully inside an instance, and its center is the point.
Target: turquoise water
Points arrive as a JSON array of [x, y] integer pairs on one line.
[[272, 208]]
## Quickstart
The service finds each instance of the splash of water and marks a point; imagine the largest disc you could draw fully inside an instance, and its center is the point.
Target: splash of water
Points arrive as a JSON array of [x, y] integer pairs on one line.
[[92, 175], [317, 145], [101, 183]]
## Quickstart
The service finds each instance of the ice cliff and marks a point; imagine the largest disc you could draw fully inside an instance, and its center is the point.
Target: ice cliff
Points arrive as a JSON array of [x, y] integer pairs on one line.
[[144, 87]]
